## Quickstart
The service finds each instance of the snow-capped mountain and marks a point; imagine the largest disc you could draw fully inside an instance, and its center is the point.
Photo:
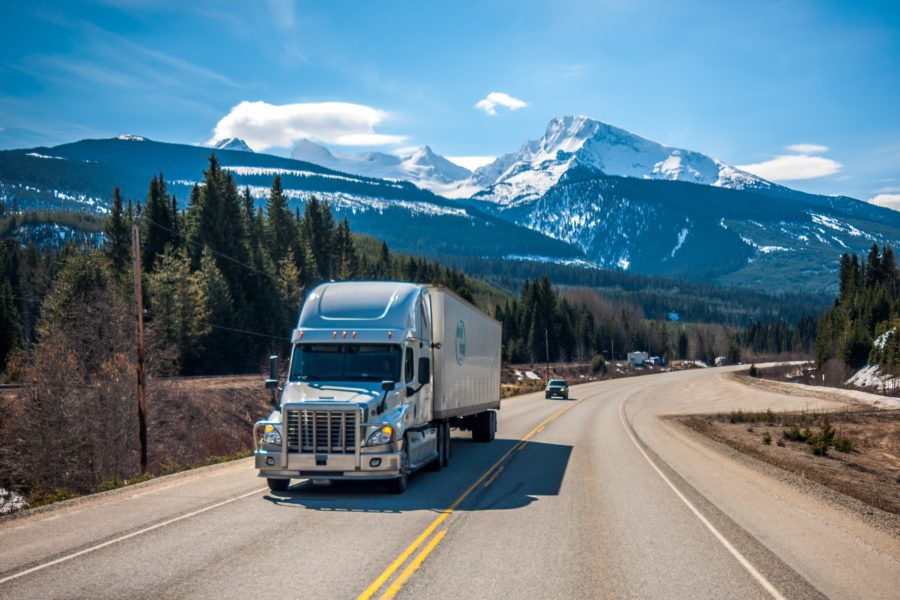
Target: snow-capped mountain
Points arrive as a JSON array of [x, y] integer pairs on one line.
[[232, 143], [581, 142], [423, 167]]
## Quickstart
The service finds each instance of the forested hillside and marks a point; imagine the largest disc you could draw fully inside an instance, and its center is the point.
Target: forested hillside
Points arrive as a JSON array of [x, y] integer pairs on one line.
[[861, 327]]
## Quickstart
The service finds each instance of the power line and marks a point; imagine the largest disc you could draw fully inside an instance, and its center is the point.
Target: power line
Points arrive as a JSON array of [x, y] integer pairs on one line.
[[266, 335], [211, 249]]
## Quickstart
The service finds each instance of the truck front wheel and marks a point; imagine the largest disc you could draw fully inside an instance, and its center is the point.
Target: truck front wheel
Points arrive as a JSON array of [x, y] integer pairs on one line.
[[278, 485], [399, 485]]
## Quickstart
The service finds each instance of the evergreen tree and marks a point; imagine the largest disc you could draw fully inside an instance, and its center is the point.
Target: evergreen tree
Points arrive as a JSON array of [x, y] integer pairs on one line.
[[117, 230], [281, 232], [178, 307], [157, 223], [10, 324]]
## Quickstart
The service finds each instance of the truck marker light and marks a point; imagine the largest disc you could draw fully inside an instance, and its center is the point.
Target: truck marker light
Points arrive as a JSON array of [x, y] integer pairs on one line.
[[269, 428], [388, 430], [344, 335], [354, 335], [334, 335], [390, 335], [300, 336]]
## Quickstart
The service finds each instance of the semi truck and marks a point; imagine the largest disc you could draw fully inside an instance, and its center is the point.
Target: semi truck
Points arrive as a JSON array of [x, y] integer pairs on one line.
[[379, 373]]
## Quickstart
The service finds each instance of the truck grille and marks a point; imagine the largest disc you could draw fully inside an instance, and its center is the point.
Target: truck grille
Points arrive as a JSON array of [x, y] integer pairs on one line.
[[331, 431]]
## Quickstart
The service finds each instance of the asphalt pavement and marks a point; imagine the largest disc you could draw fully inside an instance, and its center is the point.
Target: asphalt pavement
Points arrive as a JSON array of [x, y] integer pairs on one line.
[[592, 497]]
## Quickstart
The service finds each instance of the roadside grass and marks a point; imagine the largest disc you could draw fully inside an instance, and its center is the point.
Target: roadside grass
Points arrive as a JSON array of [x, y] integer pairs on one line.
[[45, 497], [855, 452]]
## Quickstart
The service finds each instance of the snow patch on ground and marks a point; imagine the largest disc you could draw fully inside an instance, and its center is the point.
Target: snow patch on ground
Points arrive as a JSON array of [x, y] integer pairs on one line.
[[532, 375], [11, 502], [681, 237], [271, 171], [36, 155], [364, 204], [763, 249]]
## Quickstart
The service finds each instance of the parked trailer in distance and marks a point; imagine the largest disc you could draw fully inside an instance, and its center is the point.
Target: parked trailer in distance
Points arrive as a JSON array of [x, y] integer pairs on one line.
[[379, 373]]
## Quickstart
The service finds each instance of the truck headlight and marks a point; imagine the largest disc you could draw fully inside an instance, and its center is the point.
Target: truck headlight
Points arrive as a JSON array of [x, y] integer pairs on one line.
[[271, 435], [381, 436]]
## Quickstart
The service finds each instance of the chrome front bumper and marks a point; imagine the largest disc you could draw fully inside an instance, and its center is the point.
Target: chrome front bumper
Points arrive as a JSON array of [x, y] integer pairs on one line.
[[375, 465]]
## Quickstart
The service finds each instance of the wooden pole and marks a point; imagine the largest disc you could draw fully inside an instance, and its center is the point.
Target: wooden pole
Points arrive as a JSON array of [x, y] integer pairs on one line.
[[547, 350], [141, 378]]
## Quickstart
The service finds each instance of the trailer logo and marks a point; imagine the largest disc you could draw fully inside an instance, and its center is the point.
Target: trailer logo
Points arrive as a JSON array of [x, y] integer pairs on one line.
[[460, 342]]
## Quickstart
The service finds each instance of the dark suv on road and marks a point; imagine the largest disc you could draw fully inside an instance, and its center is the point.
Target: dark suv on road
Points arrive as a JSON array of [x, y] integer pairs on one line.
[[557, 387]]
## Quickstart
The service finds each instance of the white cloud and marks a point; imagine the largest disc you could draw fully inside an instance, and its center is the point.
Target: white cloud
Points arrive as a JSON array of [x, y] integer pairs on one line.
[[891, 201], [490, 102], [263, 125], [808, 148], [471, 162], [799, 165]]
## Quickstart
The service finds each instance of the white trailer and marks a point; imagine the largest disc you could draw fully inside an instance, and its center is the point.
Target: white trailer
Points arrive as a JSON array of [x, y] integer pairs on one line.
[[379, 373]]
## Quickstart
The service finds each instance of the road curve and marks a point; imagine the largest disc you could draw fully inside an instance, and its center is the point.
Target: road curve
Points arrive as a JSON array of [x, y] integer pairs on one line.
[[592, 497]]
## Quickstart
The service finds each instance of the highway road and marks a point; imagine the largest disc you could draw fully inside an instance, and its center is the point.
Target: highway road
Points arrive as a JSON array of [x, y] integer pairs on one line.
[[595, 497]]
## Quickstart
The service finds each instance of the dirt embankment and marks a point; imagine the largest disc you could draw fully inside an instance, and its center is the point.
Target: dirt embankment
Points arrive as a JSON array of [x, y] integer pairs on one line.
[[855, 451]]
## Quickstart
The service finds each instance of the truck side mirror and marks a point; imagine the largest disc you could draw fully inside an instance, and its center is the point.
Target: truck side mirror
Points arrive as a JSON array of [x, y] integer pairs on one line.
[[272, 381], [387, 386], [424, 370]]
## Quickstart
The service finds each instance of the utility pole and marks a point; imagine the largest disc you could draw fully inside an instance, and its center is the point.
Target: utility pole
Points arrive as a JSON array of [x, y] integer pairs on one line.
[[547, 349], [141, 378]]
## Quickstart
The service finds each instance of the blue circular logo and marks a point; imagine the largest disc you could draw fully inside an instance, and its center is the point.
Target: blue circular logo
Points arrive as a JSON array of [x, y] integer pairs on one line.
[[460, 342]]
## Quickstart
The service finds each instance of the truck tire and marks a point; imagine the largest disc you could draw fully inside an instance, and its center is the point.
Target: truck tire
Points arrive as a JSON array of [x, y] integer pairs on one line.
[[278, 485], [445, 457], [399, 485], [485, 424], [438, 463]]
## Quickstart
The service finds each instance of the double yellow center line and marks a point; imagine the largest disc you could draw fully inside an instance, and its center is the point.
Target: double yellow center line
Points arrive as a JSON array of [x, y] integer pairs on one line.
[[487, 478]]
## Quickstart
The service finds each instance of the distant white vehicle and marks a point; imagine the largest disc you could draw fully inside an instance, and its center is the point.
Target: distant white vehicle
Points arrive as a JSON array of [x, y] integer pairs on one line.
[[721, 361], [637, 359], [379, 373]]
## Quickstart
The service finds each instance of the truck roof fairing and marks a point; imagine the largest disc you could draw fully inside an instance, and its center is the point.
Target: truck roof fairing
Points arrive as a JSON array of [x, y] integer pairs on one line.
[[384, 305]]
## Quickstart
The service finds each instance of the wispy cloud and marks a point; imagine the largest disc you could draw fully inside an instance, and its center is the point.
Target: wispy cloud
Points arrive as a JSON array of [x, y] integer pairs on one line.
[[490, 102], [808, 148], [471, 162], [891, 201], [263, 125], [799, 165]]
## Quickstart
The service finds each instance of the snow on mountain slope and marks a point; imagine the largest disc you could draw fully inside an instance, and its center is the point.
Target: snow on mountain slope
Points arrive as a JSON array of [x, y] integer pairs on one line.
[[423, 167], [583, 142], [232, 144]]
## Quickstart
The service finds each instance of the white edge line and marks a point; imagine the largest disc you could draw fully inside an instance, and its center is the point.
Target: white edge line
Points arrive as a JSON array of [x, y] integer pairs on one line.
[[127, 536], [728, 546]]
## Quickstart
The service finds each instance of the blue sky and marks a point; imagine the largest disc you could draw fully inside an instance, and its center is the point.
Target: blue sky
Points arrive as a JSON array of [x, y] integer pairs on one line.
[[796, 88]]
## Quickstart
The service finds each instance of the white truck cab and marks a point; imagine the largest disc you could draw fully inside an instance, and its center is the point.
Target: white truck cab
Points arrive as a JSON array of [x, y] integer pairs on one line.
[[379, 372]]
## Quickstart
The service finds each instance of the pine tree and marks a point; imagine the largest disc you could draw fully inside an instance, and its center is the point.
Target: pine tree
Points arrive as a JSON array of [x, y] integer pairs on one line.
[[10, 324], [157, 223], [348, 261], [281, 232], [178, 307], [117, 246], [220, 354]]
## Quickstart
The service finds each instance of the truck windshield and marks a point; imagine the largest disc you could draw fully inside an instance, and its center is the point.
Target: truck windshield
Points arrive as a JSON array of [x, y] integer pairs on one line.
[[346, 362]]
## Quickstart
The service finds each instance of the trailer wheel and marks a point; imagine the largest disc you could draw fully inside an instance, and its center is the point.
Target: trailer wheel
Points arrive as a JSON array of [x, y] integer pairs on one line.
[[485, 424], [278, 485]]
